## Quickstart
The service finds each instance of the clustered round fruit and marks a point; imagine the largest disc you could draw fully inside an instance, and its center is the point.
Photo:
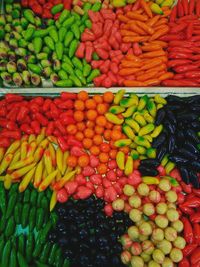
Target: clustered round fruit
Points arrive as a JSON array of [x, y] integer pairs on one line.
[[154, 238], [87, 236]]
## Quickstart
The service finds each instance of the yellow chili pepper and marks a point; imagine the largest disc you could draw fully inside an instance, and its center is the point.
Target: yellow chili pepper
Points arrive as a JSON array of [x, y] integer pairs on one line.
[[24, 149], [157, 131], [140, 120], [38, 154], [24, 138], [141, 150], [58, 176], [31, 138], [169, 167], [123, 142], [16, 157], [64, 180], [52, 139], [44, 174], [7, 181], [159, 106], [53, 201], [31, 148], [21, 163], [142, 102], [128, 131], [128, 169], [2, 152], [160, 100], [113, 118], [164, 160], [119, 95], [129, 112], [136, 99], [40, 137], [21, 172], [53, 154], [47, 161], [26, 180], [44, 143], [146, 129], [141, 141], [150, 180], [133, 124], [13, 147], [148, 137], [47, 181], [59, 159], [120, 159], [116, 109], [38, 173], [5, 162], [149, 118], [65, 157]]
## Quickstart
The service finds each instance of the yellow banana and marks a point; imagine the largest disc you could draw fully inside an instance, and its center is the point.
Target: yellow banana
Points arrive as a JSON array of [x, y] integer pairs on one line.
[[7, 181], [168, 3], [40, 137], [44, 143], [16, 157], [64, 180], [38, 154], [26, 180], [58, 176], [31, 148], [120, 159], [128, 166]]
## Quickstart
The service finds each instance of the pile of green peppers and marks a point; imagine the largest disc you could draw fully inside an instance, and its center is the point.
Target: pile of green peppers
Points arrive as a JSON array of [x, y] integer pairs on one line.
[[33, 50]]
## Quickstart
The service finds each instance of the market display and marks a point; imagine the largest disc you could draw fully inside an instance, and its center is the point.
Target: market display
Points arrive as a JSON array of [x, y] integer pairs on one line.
[[99, 180], [99, 43]]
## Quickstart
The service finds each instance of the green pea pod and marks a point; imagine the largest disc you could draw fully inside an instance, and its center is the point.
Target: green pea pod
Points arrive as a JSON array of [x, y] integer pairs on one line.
[[11, 204], [96, 7], [35, 68], [56, 9], [53, 34], [86, 70], [64, 15], [76, 80], [40, 218], [44, 232], [68, 22], [29, 247], [62, 75], [76, 31], [61, 33], [29, 15], [45, 253], [2, 198], [52, 254], [38, 248], [49, 42], [59, 50], [77, 63], [40, 33], [72, 48], [64, 83], [94, 73], [6, 254], [68, 68], [13, 258], [67, 60], [27, 195], [32, 218], [88, 23], [25, 214], [79, 74], [21, 260], [10, 227], [84, 17], [28, 34], [68, 38], [87, 6]]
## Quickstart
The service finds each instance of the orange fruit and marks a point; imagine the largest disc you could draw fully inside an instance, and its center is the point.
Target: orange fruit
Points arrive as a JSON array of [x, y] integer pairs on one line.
[[117, 127], [80, 126], [97, 139], [91, 114], [102, 168], [72, 161], [83, 160], [72, 129], [116, 135], [90, 124], [113, 153], [108, 97], [98, 99], [89, 133], [87, 143], [124, 149], [78, 116], [90, 104], [107, 134], [79, 105], [102, 108], [101, 121], [99, 130], [105, 147], [79, 136], [109, 125], [94, 150], [103, 157], [82, 95]]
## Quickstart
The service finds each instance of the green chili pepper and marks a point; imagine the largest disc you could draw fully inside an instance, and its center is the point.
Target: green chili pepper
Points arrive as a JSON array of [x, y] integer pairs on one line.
[[40, 218], [64, 15], [49, 42], [76, 31], [68, 22], [40, 33], [94, 73], [2, 199], [29, 247], [88, 23], [53, 218], [52, 254], [58, 257], [2, 244], [27, 195], [63, 75], [10, 227], [68, 38], [17, 211], [21, 243], [72, 48], [28, 34], [77, 63], [32, 218], [66, 67], [61, 33], [37, 43], [86, 70], [44, 232], [57, 8], [25, 214], [64, 83], [29, 15], [13, 258], [38, 248], [35, 68], [87, 6], [75, 79], [24, 23], [21, 260], [53, 34], [11, 204], [59, 50], [80, 76], [6, 254], [39, 264], [45, 253]]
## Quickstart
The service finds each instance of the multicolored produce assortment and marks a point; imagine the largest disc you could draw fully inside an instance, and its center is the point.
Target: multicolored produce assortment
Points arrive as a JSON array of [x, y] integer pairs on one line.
[[100, 180], [80, 43]]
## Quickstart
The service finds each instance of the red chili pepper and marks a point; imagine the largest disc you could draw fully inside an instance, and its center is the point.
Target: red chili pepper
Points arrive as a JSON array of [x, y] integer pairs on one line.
[[38, 100], [189, 31], [186, 44], [37, 8], [26, 128], [188, 249], [196, 228], [181, 198], [178, 62], [195, 257], [193, 202], [54, 111], [196, 192], [60, 127], [191, 6], [198, 8], [67, 96], [11, 134], [195, 218], [68, 104], [180, 27], [46, 105], [39, 117], [62, 143], [187, 188], [197, 264], [180, 9], [13, 98], [179, 77], [179, 55], [22, 113], [186, 210], [4, 142], [36, 127], [188, 232], [180, 50], [71, 141], [173, 14], [89, 51], [185, 7], [193, 74]]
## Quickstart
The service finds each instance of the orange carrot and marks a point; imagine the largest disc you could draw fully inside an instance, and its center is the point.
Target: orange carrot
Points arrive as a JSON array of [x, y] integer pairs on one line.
[[128, 33], [133, 57], [140, 73], [164, 59], [145, 27], [147, 76], [156, 53], [160, 43], [136, 29], [158, 68], [167, 75], [151, 64], [159, 27], [130, 64], [151, 47], [128, 71], [153, 21], [136, 16], [122, 18], [146, 8], [129, 83], [152, 82], [135, 39], [159, 33], [161, 21]]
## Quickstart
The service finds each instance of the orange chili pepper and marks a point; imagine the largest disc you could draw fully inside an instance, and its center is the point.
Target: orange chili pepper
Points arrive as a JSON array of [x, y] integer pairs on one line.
[[153, 21], [134, 15], [158, 68], [161, 21], [136, 29], [161, 43], [152, 82], [146, 8], [151, 47], [167, 75], [128, 71], [164, 59], [156, 53], [151, 64], [129, 83], [133, 57], [128, 33], [130, 64], [122, 18], [134, 39], [147, 76], [159, 33], [145, 27], [159, 27]]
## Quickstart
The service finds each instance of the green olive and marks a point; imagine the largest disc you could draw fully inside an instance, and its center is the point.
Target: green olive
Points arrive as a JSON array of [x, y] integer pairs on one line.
[[143, 189], [171, 196], [177, 225], [133, 233], [148, 209], [158, 256], [176, 255], [179, 242], [137, 261], [161, 221], [158, 234], [170, 234], [135, 201], [165, 246], [172, 215], [161, 208], [128, 190], [164, 185]]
